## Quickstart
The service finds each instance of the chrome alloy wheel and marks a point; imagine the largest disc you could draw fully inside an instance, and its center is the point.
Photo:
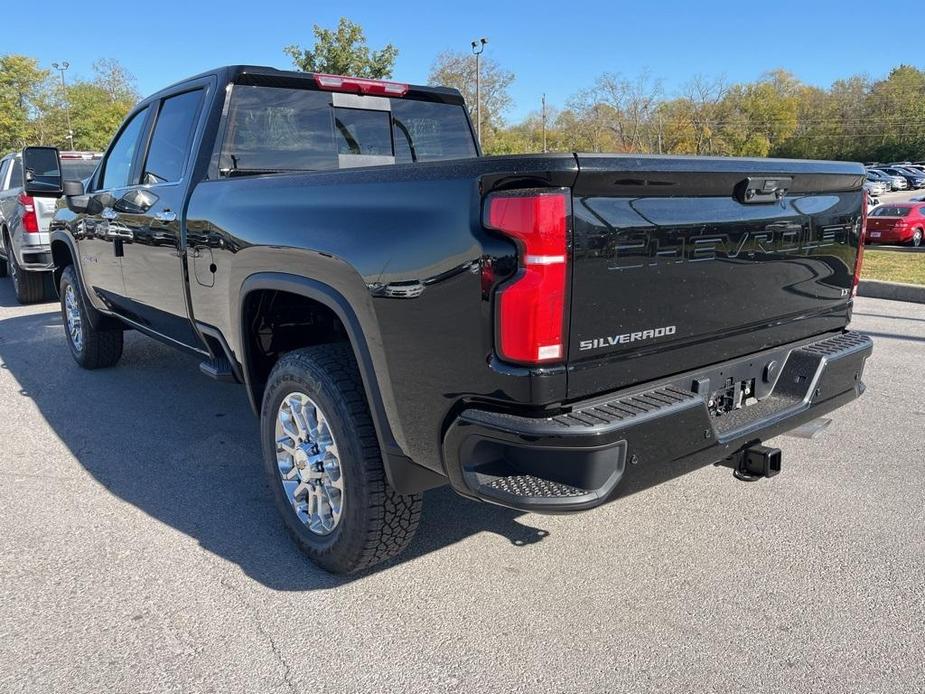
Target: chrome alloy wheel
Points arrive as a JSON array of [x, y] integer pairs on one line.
[[309, 464], [72, 312]]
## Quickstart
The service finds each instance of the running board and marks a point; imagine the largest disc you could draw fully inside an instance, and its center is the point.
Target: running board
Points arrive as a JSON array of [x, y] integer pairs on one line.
[[218, 369]]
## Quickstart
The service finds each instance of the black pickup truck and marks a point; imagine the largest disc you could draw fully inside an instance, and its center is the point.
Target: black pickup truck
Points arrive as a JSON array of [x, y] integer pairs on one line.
[[405, 313]]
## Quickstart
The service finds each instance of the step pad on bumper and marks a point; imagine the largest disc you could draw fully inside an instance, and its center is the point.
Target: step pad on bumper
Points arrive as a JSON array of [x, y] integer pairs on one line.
[[621, 409], [839, 345], [528, 485]]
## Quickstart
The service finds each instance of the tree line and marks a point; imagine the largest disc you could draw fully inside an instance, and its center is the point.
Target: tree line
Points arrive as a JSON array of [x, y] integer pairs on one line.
[[35, 107], [857, 118]]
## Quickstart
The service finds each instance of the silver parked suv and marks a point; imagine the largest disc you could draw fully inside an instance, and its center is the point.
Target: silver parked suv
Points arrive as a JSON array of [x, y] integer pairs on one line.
[[25, 252]]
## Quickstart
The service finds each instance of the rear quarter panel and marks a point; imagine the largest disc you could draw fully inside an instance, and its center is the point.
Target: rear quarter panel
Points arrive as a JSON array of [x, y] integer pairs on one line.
[[363, 232]]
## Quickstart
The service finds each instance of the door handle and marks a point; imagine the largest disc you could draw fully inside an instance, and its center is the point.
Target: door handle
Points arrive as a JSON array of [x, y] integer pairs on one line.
[[166, 216], [109, 213], [120, 232]]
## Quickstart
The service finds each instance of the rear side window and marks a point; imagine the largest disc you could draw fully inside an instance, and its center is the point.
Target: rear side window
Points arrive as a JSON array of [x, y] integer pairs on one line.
[[118, 167], [4, 167], [16, 175], [170, 142], [283, 129]]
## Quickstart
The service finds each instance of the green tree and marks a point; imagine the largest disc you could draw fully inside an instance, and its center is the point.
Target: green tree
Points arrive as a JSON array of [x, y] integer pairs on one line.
[[118, 83], [457, 70], [343, 52], [95, 115], [23, 93], [759, 116], [97, 107], [896, 115]]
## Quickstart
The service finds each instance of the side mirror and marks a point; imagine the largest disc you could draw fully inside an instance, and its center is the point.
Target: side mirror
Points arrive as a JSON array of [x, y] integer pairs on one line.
[[77, 199], [72, 188], [42, 172]]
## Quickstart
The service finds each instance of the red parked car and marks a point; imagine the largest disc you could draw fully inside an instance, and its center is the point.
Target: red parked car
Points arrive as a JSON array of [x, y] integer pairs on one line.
[[902, 222]]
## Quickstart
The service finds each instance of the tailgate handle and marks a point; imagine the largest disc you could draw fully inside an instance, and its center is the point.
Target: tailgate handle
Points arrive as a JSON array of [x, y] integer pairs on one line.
[[762, 190]]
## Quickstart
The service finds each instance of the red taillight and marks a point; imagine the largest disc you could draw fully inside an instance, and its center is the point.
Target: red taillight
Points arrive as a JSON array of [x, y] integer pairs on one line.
[[30, 222], [337, 83], [859, 261], [531, 308]]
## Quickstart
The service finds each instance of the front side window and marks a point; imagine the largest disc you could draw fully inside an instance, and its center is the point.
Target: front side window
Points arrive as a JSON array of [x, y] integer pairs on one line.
[[170, 142], [118, 166]]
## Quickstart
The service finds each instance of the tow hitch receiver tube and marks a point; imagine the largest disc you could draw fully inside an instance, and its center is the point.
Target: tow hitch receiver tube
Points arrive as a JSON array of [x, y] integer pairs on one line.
[[761, 461], [754, 462]]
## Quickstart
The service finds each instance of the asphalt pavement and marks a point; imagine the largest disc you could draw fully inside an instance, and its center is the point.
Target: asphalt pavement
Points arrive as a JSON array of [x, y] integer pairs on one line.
[[140, 552]]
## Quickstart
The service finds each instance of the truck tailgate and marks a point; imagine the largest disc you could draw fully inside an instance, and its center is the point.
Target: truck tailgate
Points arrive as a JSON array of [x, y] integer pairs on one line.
[[676, 266]]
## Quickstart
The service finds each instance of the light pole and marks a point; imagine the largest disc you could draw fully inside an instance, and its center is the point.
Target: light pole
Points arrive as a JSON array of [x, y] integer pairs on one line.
[[67, 107], [544, 123], [477, 48]]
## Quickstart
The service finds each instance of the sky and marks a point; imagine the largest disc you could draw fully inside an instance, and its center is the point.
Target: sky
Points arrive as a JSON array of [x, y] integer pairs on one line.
[[552, 47]]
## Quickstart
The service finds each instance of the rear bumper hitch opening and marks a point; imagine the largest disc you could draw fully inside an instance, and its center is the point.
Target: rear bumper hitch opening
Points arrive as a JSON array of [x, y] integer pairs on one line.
[[754, 462]]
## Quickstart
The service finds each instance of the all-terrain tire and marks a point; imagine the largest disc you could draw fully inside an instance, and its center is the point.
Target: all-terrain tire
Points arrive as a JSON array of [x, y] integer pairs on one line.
[[29, 286], [91, 347], [376, 522]]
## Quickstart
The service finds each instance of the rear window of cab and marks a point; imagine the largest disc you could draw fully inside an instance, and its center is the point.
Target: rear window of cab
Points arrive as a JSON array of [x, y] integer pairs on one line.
[[285, 129]]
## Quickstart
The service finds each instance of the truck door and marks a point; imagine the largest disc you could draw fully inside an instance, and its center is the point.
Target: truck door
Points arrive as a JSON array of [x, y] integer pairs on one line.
[[153, 266], [100, 238]]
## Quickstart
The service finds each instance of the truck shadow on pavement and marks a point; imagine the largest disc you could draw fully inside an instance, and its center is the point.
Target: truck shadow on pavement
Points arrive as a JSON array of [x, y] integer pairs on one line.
[[185, 450]]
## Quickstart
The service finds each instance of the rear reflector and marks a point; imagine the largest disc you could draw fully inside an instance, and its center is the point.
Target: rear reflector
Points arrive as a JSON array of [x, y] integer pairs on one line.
[[862, 237], [30, 222], [337, 83], [531, 307]]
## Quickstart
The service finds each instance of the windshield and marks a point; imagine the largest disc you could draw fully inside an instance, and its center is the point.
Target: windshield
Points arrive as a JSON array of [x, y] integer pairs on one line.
[[283, 129], [890, 211], [77, 169]]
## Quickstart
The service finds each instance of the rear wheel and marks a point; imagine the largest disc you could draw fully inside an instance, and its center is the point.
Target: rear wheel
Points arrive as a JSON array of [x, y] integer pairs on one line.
[[916, 239], [91, 348], [324, 465], [29, 286]]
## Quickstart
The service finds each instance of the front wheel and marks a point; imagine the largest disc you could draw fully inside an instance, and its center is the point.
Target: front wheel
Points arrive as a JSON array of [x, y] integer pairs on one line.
[[324, 465], [916, 240], [91, 347]]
